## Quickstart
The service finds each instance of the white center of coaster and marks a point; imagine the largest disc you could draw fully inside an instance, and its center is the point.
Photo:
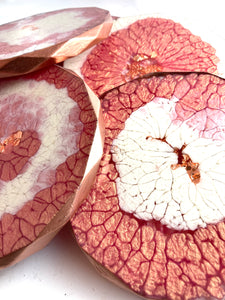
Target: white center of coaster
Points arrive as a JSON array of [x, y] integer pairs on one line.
[[49, 111], [150, 187]]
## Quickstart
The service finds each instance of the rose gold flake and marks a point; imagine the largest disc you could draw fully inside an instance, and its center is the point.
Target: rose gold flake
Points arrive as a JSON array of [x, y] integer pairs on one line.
[[142, 64], [12, 140]]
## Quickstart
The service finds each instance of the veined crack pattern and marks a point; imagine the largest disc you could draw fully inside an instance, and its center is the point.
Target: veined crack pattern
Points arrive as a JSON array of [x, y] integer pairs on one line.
[[169, 170]]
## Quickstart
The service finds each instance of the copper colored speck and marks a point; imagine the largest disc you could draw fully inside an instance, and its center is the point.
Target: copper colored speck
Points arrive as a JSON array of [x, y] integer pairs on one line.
[[142, 64], [13, 140]]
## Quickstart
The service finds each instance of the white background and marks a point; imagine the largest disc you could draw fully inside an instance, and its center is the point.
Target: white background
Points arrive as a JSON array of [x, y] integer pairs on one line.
[[61, 271]]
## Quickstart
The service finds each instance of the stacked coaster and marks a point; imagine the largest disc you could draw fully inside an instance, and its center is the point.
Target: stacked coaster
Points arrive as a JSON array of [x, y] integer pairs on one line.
[[125, 140]]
